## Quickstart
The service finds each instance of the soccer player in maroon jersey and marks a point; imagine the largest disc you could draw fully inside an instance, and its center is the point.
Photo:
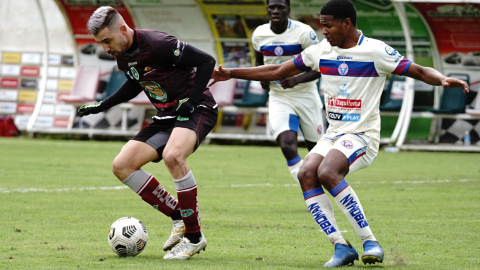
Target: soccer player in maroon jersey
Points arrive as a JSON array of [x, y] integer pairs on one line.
[[163, 67]]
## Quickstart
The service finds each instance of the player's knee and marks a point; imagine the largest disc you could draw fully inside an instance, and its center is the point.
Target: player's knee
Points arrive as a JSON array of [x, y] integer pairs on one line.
[[326, 175], [121, 169], [305, 175], [172, 159]]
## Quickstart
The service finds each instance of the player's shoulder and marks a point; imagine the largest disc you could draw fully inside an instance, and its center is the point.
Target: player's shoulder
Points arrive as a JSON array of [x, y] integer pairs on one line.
[[299, 26], [150, 35], [261, 30]]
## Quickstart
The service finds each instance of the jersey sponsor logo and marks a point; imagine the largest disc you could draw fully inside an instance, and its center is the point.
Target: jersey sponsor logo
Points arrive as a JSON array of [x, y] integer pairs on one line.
[[321, 219], [344, 117], [390, 51], [132, 63], [347, 144], [343, 91], [344, 57], [278, 42], [135, 73], [278, 51], [345, 103], [312, 35], [354, 210], [148, 68], [181, 118], [154, 90], [343, 69]]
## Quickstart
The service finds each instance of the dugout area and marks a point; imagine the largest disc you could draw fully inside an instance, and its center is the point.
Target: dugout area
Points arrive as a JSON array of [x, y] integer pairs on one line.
[[48, 50]]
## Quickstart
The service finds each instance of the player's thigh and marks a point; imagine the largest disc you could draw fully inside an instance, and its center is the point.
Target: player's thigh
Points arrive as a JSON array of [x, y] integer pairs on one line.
[[187, 134], [282, 117], [359, 150], [135, 154]]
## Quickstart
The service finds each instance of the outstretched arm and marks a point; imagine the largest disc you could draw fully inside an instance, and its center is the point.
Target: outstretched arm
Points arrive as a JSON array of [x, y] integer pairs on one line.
[[259, 62], [261, 73], [305, 77], [434, 77]]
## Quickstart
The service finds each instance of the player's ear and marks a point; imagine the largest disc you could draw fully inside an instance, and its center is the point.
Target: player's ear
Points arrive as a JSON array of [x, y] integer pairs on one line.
[[347, 23], [123, 29]]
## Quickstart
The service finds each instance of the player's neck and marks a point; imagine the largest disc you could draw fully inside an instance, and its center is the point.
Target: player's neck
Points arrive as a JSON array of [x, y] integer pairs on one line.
[[130, 37], [351, 40], [279, 28]]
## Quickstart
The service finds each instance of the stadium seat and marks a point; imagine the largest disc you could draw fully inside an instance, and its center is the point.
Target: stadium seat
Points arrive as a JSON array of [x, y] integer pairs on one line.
[[253, 96], [389, 104], [224, 92], [453, 100], [117, 79], [84, 89]]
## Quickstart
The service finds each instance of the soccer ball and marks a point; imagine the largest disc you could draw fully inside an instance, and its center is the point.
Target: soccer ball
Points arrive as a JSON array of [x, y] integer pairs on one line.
[[127, 236]]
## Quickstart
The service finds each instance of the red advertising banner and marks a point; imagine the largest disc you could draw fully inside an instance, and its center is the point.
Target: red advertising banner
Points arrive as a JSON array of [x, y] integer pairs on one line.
[[60, 122], [30, 71], [79, 11], [25, 108], [455, 26], [9, 83]]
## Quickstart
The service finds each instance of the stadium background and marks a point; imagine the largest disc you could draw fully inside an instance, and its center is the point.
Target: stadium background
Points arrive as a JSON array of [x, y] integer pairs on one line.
[[442, 35]]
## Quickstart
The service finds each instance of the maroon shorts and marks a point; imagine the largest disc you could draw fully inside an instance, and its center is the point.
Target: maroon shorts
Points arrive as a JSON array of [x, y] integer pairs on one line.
[[202, 121]]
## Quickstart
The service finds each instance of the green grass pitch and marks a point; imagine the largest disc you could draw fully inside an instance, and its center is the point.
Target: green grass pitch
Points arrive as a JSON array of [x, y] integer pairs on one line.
[[59, 198]]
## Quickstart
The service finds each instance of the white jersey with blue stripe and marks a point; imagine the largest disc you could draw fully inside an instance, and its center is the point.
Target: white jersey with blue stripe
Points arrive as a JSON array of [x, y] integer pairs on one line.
[[354, 79], [279, 48]]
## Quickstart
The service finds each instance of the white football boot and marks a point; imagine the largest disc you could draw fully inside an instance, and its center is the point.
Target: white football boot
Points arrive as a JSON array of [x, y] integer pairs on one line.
[[185, 249], [178, 231]]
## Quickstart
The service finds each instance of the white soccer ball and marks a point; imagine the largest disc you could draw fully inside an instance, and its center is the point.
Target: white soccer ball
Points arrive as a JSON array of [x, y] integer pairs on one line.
[[127, 236]]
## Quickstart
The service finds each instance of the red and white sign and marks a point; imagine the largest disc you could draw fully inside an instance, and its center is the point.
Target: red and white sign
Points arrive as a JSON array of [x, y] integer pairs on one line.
[[345, 103], [60, 122], [9, 83], [25, 108], [30, 71]]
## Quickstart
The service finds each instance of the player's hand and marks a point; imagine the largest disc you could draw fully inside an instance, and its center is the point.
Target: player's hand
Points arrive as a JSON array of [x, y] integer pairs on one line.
[[87, 109], [289, 82], [186, 107], [220, 74], [265, 85], [454, 82]]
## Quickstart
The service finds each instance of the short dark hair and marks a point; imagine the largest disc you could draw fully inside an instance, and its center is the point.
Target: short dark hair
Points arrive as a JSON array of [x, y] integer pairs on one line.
[[103, 17], [340, 9], [286, 1]]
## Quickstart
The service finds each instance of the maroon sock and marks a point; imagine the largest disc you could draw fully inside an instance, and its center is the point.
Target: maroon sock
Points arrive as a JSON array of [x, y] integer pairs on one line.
[[188, 202]]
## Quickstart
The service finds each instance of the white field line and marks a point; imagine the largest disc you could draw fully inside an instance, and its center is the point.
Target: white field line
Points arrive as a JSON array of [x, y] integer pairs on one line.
[[25, 190]]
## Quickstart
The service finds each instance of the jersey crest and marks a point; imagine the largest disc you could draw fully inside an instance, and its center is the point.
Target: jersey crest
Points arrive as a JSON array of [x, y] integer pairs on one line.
[[134, 73], [154, 90], [343, 69], [278, 51]]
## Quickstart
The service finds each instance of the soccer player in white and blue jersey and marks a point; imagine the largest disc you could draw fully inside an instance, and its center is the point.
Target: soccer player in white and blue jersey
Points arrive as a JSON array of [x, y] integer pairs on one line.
[[354, 70], [294, 103]]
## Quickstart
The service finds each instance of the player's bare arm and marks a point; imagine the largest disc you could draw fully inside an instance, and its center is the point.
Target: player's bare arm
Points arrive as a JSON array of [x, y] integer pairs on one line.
[[434, 77], [259, 62], [262, 73], [302, 78]]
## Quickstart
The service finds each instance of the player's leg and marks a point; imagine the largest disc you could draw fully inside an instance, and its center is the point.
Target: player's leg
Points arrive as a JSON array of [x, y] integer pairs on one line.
[[285, 125], [184, 139], [145, 147], [320, 206], [350, 153]]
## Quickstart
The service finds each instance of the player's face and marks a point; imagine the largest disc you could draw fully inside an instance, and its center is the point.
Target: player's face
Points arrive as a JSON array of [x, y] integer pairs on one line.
[[278, 11], [333, 30], [114, 42]]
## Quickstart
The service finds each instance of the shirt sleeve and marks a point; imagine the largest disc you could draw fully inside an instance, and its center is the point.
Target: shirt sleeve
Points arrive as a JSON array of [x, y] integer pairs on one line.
[[305, 61], [389, 61], [169, 49], [309, 37]]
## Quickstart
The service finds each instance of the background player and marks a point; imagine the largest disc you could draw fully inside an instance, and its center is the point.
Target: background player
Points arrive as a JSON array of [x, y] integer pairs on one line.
[[162, 67], [292, 104], [358, 66]]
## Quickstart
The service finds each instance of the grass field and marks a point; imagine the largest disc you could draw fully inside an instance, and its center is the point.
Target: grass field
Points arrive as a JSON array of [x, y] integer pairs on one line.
[[59, 198]]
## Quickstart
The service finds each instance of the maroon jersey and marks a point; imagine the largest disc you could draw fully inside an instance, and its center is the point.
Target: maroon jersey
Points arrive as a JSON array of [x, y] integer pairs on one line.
[[153, 66]]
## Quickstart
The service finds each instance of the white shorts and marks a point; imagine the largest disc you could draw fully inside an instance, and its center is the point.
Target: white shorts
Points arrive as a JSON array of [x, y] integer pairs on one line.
[[360, 149], [291, 111]]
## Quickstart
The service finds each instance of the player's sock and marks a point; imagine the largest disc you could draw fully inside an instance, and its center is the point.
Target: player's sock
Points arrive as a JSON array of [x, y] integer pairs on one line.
[[349, 203], [322, 211], [294, 166], [194, 237], [187, 199], [145, 185], [176, 215]]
